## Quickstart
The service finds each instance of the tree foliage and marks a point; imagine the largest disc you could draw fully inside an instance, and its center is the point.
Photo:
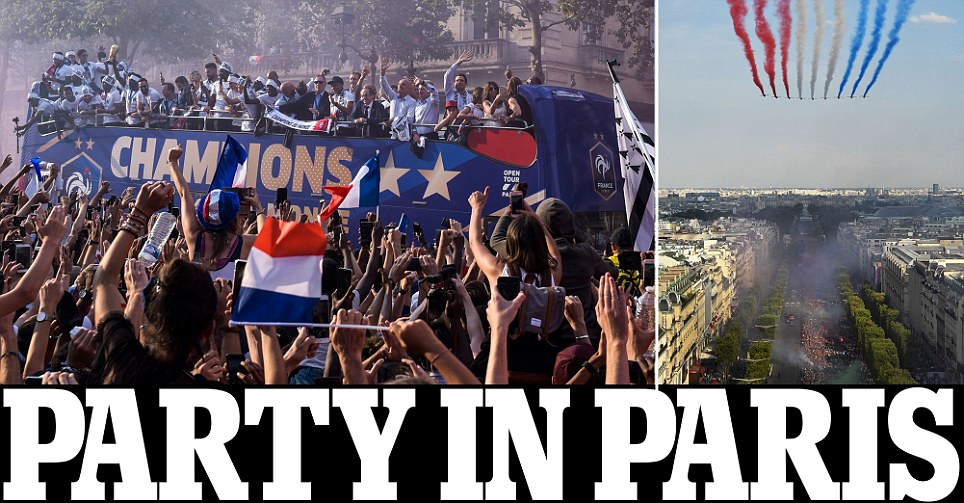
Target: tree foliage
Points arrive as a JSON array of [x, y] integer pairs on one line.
[[633, 23]]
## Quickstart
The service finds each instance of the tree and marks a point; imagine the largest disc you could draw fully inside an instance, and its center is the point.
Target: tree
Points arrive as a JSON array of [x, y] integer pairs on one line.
[[408, 31], [634, 18]]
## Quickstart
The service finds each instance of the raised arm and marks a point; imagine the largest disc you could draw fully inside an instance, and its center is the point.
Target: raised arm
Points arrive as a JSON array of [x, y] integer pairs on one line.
[[188, 217], [26, 290], [386, 87], [152, 197], [500, 312], [487, 262]]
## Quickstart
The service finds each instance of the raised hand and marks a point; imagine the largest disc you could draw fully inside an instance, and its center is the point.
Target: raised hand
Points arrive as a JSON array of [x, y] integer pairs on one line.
[[55, 227], [465, 57], [135, 275], [154, 196], [175, 153], [611, 311], [478, 199]]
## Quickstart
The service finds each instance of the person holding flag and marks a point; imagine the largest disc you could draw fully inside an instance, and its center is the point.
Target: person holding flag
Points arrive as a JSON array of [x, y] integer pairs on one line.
[[212, 228]]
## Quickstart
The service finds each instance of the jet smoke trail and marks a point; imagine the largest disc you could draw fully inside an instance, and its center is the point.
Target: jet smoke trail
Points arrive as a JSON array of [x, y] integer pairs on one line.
[[855, 44], [817, 41], [738, 13], [903, 9], [874, 42], [785, 25], [769, 43], [801, 19], [839, 26]]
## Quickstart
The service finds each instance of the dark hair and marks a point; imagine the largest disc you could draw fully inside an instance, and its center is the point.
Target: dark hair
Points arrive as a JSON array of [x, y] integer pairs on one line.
[[181, 79], [491, 84], [478, 94], [512, 86], [525, 245], [168, 87], [463, 76], [622, 239], [211, 65], [180, 310]]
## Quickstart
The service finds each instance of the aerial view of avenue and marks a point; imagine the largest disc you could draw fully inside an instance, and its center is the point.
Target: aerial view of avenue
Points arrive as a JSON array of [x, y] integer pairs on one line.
[[811, 286]]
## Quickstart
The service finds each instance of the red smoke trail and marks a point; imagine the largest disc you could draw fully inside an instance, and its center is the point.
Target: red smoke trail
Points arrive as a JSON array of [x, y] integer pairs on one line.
[[783, 8], [766, 36], [738, 12]]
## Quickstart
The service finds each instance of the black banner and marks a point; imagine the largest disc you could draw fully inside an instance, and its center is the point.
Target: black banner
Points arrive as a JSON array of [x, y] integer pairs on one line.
[[432, 443]]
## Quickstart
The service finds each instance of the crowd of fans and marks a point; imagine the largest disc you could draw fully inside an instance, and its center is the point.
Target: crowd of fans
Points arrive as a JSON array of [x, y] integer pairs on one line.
[[78, 306], [75, 92]]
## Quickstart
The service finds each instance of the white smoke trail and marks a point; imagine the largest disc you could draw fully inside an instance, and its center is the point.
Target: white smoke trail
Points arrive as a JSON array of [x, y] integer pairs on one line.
[[817, 40], [839, 26], [801, 29]]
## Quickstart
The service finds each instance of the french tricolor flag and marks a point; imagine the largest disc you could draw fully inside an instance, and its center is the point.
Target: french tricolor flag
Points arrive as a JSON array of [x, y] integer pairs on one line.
[[362, 192], [282, 280]]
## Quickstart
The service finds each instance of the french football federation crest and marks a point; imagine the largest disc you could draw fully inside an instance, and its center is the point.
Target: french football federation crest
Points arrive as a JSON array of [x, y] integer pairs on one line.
[[603, 170]]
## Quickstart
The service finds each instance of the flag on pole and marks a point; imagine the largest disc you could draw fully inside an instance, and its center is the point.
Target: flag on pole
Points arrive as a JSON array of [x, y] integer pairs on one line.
[[637, 160], [362, 192], [404, 223], [31, 182], [232, 170], [282, 280]]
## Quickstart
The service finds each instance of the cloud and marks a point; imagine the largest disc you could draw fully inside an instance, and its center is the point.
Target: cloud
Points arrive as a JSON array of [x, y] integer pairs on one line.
[[933, 18]]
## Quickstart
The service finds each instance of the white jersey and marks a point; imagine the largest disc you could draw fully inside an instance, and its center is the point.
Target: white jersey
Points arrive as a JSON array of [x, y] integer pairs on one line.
[[113, 96]]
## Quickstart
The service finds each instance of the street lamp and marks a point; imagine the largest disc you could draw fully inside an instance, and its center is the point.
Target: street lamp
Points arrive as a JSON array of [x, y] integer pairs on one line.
[[344, 16]]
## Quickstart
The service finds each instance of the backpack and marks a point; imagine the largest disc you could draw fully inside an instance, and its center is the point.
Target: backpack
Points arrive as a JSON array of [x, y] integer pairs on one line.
[[542, 312]]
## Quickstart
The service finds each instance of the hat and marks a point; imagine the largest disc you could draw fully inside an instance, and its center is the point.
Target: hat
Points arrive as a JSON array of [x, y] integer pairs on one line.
[[135, 77], [33, 96], [557, 217], [260, 79], [225, 67], [272, 83], [59, 56], [451, 104], [85, 91], [109, 82], [336, 80], [79, 72], [233, 79], [569, 361], [218, 209], [71, 53]]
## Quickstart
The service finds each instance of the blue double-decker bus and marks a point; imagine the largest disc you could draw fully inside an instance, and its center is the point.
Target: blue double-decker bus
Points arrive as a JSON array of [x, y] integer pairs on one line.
[[568, 152]]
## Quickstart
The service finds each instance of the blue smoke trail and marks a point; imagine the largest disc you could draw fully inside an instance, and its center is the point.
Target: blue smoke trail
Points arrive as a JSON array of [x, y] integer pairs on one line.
[[903, 10], [874, 42], [855, 43]]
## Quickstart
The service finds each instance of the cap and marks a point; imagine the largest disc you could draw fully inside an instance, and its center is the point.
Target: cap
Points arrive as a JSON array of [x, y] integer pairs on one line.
[[569, 361], [451, 104], [260, 79], [233, 79], [70, 53], [273, 83], [218, 209], [79, 72], [32, 96], [109, 82], [59, 56], [226, 67], [336, 80], [85, 91]]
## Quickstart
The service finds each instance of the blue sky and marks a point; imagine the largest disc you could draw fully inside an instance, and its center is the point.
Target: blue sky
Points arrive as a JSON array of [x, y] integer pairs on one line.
[[715, 130]]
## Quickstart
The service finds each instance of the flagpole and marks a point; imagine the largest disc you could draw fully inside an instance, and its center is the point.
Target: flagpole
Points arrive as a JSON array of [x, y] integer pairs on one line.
[[312, 325], [378, 216]]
